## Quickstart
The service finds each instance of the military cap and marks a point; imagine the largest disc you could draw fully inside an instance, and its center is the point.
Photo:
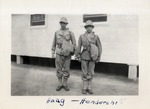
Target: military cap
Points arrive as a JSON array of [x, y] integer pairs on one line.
[[64, 20], [88, 23]]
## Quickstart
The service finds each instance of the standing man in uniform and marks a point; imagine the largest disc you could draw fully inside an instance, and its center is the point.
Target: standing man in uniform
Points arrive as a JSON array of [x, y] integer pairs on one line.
[[83, 53], [63, 39]]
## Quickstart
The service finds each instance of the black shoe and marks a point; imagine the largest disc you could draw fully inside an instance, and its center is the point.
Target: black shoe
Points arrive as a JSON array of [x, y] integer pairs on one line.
[[66, 88], [58, 88], [83, 91], [90, 91]]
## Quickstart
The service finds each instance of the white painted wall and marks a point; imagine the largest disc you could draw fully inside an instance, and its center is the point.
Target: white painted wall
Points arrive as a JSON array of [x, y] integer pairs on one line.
[[119, 36]]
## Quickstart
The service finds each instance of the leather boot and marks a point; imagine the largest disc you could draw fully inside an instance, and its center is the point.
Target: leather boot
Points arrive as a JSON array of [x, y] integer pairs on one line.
[[65, 85], [59, 87], [84, 87], [89, 90]]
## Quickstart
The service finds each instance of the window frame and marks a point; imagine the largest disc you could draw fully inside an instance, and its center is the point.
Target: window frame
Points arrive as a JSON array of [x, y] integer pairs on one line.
[[37, 26], [98, 24], [88, 16]]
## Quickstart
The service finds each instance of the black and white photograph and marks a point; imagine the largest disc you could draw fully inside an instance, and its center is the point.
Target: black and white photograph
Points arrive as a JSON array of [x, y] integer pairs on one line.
[[74, 55]]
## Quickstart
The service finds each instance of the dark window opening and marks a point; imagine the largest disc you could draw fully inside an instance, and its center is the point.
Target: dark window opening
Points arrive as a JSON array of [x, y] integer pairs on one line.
[[95, 17], [37, 20]]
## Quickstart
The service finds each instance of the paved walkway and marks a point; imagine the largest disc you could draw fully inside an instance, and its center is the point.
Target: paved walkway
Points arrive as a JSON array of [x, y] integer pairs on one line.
[[28, 80]]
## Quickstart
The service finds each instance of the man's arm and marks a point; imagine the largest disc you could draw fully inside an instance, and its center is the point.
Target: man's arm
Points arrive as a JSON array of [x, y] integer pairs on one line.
[[54, 45], [99, 45], [73, 40], [78, 50]]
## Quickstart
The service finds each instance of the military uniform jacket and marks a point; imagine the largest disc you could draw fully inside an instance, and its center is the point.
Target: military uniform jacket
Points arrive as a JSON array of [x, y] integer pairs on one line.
[[59, 36], [83, 49]]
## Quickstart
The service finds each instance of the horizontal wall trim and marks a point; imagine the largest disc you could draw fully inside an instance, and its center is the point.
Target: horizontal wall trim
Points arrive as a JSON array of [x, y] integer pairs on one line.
[[103, 67]]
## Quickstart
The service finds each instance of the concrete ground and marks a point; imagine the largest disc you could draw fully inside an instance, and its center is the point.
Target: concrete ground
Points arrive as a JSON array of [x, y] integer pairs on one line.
[[29, 80]]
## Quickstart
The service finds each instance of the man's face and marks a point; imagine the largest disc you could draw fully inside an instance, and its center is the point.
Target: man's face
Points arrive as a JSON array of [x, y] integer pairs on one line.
[[89, 29], [63, 25]]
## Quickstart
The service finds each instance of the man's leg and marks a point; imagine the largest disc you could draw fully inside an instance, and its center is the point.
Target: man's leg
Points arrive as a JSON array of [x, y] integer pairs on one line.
[[66, 74], [84, 66], [91, 74], [58, 64]]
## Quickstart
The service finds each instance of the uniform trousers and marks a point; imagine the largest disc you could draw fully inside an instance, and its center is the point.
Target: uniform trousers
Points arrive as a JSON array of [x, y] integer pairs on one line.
[[87, 73], [62, 64]]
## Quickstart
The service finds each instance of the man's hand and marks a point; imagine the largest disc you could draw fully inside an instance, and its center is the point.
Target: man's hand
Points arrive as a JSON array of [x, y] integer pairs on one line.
[[53, 55], [78, 58], [98, 59]]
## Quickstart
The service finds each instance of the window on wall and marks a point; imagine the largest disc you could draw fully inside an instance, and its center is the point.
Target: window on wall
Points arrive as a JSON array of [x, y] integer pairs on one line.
[[37, 20], [95, 17]]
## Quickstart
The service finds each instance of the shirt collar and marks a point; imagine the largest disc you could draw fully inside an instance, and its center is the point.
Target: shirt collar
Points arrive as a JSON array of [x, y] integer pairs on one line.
[[92, 33], [64, 29]]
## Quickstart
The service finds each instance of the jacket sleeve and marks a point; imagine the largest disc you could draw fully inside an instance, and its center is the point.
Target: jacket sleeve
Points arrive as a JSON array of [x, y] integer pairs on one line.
[[73, 40], [54, 44], [99, 45], [78, 50]]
